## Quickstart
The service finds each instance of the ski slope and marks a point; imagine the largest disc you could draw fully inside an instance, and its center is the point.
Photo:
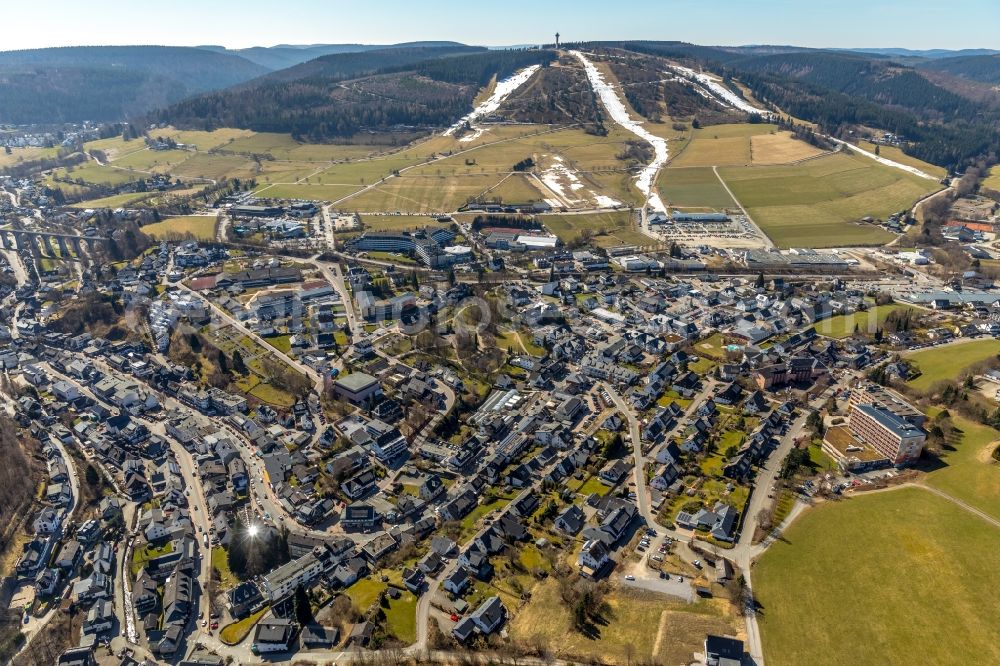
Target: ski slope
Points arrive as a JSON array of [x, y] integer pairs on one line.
[[502, 91], [619, 113], [719, 92]]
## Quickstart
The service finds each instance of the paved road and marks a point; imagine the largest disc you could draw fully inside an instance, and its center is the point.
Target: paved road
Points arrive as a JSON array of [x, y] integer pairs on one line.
[[232, 321]]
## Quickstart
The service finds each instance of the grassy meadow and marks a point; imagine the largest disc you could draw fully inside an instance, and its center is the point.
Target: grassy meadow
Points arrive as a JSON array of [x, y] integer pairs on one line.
[[881, 579]]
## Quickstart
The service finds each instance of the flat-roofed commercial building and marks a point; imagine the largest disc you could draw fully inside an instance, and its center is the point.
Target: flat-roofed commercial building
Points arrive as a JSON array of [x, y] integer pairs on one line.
[[357, 388]]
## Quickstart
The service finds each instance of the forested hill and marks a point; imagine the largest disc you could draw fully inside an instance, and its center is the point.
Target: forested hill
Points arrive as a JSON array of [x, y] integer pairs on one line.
[[346, 94], [982, 68], [284, 56], [838, 90], [863, 77], [109, 83], [342, 66]]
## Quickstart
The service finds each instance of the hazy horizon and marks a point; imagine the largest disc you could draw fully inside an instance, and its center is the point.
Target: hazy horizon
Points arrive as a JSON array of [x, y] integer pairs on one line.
[[851, 24]]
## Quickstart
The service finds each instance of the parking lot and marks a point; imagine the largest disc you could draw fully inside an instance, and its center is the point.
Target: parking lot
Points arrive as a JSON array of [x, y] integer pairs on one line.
[[653, 548]]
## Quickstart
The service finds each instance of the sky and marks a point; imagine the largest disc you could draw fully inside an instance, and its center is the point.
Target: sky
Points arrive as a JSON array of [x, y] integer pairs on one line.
[[916, 24]]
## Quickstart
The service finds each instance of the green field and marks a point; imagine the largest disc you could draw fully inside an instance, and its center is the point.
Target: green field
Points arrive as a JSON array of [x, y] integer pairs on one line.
[[719, 145], [820, 203], [25, 155], [971, 473], [897, 155], [866, 322], [97, 175], [881, 579], [398, 222], [423, 193], [158, 161], [115, 201], [214, 167], [696, 187], [992, 180], [607, 229], [310, 192], [201, 227], [947, 361]]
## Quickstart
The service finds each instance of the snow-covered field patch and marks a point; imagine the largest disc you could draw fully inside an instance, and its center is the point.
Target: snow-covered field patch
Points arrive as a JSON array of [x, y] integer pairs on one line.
[[619, 113], [565, 183], [503, 90]]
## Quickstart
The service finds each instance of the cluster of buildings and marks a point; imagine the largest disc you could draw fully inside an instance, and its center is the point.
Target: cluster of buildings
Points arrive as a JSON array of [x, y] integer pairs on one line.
[[430, 245]]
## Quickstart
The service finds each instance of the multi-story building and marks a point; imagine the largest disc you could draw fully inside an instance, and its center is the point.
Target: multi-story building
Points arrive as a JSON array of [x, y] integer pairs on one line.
[[897, 439], [303, 571], [879, 396]]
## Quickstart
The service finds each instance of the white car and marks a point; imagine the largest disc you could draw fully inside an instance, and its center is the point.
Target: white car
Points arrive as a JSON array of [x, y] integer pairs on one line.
[[629, 577]]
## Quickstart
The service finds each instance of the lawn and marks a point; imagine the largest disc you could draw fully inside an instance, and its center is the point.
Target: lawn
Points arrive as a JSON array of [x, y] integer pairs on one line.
[[866, 322], [272, 395], [220, 562], [881, 579], [140, 556], [201, 227], [364, 592], [695, 187], [820, 203], [470, 524], [946, 362], [282, 343], [401, 618], [970, 472], [231, 634], [713, 346], [630, 632], [593, 486]]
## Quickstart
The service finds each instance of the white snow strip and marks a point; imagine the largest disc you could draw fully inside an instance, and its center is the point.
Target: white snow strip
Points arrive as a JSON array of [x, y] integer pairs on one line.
[[619, 113], [722, 94], [556, 175], [881, 160], [500, 93], [604, 201]]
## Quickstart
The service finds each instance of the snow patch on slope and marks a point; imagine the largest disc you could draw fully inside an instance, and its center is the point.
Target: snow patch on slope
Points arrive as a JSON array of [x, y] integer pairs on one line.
[[503, 90], [718, 90], [619, 113]]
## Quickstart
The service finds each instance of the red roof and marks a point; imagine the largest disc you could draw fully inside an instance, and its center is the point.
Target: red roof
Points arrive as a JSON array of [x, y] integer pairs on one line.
[[202, 283]]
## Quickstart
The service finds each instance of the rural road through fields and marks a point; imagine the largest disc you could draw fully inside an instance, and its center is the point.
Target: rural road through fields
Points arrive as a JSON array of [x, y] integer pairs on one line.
[[764, 237]]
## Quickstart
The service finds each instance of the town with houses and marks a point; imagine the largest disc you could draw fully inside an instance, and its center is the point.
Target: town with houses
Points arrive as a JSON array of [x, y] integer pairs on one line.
[[261, 428], [639, 413]]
